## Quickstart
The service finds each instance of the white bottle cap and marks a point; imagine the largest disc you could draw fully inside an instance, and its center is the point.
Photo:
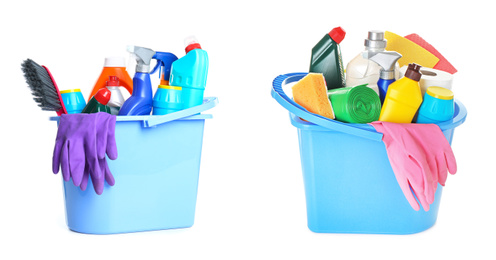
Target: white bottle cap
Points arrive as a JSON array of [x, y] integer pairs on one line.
[[190, 40], [114, 62]]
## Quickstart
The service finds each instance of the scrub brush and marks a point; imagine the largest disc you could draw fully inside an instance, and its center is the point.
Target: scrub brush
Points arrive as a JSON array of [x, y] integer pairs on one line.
[[43, 87]]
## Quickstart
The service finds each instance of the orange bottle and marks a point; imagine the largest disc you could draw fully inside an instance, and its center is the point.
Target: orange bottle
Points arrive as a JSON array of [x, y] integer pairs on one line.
[[113, 66]]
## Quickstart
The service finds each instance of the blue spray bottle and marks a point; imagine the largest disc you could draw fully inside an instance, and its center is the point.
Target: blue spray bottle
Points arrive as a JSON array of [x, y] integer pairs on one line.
[[387, 60], [190, 73], [164, 64], [141, 100], [167, 98]]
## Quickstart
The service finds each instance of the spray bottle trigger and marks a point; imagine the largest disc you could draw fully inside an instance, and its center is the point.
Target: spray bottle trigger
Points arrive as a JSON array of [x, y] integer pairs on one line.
[[159, 67]]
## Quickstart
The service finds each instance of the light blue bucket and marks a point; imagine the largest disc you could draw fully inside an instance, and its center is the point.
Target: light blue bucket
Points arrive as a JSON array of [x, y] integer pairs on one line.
[[156, 176], [350, 186]]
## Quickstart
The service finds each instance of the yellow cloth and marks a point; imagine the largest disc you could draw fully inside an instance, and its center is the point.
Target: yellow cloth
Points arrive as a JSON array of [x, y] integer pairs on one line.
[[411, 52]]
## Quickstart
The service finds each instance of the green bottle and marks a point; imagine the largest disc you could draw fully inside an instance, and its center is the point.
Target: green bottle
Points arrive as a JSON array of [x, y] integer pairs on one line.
[[98, 103], [326, 59]]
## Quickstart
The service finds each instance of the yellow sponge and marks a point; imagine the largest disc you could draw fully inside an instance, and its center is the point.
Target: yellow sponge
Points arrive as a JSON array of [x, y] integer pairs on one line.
[[411, 52], [311, 93]]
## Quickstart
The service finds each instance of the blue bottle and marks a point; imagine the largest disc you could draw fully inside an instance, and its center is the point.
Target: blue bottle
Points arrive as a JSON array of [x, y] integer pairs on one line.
[[73, 100], [141, 100], [190, 73]]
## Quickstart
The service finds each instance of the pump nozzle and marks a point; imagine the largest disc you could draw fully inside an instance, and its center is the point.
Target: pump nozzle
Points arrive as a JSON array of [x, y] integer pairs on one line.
[[387, 61], [143, 57]]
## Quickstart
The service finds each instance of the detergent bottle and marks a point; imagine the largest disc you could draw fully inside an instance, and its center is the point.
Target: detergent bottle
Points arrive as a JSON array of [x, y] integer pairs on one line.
[[361, 70], [190, 73], [141, 100], [98, 103], [326, 58], [116, 98], [403, 97], [387, 60], [113, 66]]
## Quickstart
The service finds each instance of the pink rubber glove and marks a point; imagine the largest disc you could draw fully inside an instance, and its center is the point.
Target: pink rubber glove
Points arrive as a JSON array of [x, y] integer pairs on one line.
[[420, 157]]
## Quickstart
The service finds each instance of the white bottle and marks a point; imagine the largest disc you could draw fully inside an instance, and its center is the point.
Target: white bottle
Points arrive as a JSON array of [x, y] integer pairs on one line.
[[116, 98], [361, 70]]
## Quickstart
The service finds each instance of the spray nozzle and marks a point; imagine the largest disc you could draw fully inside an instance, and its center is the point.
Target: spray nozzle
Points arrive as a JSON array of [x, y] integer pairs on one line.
[[164, 64], [387, 61], [143, 57]]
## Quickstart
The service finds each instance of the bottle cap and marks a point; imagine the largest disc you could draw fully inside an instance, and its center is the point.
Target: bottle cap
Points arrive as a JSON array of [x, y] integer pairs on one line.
[[103, 96], [337, 34], [440, 93], [191, 43], [375, 40], [113, 81], [413, 72], [70, 91], [114, 62]]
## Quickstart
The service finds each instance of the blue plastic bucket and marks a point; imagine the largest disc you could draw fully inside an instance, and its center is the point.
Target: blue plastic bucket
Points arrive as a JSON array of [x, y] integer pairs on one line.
[[156, 176], [350, 186]]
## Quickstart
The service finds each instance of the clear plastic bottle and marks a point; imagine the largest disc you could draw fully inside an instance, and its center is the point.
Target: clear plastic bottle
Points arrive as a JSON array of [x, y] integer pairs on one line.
[[361, 70]]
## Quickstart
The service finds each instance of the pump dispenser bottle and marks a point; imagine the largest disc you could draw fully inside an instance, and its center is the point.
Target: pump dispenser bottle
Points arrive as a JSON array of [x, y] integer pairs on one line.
[[361, 70]]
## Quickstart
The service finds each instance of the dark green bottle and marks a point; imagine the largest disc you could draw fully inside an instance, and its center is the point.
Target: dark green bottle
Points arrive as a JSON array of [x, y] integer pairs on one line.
[[98, 103], [326, 59]]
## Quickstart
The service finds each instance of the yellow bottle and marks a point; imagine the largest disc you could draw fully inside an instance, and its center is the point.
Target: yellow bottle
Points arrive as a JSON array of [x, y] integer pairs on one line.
[[403, 97]]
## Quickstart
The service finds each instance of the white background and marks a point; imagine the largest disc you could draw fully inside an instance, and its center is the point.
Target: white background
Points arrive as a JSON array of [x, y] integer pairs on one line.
[[250, 199]]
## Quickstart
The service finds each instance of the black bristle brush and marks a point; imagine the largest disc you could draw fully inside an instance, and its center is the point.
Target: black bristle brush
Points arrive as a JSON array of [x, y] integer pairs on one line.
[[43, 87]]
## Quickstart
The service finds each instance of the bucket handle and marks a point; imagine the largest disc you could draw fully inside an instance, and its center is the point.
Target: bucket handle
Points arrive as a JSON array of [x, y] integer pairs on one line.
[[288, 103], [208, 103]]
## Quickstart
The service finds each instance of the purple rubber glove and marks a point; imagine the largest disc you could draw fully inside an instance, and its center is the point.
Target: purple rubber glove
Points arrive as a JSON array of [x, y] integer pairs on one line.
[[420, 157], [80, 147]]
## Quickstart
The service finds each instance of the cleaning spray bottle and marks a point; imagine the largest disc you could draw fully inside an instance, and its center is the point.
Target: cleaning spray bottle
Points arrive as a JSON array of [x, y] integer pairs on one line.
[[116, 98], [113, 66], [190, 73], [403, 97], [164, 64], [326, 58], [141, 100], [167, 99], [98, 103], [387, 60], [361, 70]]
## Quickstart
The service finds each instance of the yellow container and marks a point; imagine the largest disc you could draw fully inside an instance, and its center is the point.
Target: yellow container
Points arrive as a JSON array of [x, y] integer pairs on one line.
[[403, 97]]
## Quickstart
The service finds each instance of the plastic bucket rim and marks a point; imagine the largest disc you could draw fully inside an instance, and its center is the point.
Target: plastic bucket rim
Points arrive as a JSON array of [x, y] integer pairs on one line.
[[458, 119]]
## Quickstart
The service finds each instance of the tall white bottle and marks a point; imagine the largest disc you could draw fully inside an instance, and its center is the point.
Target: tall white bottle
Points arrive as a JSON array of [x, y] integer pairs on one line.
[[361, 70]]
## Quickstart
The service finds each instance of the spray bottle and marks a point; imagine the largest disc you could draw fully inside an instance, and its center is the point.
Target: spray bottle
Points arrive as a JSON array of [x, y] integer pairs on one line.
[[164, 64], [361, 70], [387, 60], [141, 100], [167, 99], [190, 73], [326, 58]]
